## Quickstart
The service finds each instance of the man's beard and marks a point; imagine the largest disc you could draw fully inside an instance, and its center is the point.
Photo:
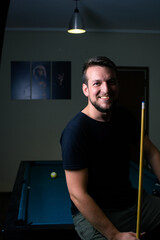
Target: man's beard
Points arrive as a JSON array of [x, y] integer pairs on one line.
[[100, 109]]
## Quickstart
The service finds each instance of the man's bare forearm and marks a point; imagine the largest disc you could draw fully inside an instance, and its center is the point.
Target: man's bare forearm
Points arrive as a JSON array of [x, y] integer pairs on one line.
[[77, 185], [95, 215]]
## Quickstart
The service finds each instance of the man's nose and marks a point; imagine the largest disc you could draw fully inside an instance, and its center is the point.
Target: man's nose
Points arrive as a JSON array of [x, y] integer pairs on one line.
[[105, 87]]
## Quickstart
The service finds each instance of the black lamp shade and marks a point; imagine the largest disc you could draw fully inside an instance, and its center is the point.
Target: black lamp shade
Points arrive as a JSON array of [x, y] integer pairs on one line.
[[76, 24]]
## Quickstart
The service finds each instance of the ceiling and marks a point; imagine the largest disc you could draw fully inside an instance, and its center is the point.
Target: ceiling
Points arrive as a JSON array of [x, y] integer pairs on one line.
[[98, 15]]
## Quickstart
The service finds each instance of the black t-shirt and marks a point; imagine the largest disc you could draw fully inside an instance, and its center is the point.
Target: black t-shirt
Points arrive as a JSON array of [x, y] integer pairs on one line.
[[103, 148]]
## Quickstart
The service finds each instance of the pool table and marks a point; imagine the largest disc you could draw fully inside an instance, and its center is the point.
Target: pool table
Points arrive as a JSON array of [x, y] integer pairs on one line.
[[40, 205]]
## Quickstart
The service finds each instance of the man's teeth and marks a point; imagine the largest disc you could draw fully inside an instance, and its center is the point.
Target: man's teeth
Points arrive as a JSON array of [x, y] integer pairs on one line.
[[105, 97]]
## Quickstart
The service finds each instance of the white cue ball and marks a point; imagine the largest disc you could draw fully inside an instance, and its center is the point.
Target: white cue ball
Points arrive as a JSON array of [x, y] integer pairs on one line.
[[53, 174]]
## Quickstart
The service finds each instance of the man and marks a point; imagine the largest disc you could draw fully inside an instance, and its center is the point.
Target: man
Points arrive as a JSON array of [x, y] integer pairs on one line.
[[95, 151]]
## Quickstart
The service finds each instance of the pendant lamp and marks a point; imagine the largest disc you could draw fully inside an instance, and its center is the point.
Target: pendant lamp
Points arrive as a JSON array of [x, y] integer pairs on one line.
[[76, 24]]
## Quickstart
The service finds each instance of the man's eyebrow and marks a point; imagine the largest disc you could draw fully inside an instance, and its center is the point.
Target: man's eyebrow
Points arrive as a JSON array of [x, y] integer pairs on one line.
[[97, 80], [113, 78]]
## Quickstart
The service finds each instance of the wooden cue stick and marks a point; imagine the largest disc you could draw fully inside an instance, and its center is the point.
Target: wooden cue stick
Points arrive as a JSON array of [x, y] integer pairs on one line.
[[140, 173]]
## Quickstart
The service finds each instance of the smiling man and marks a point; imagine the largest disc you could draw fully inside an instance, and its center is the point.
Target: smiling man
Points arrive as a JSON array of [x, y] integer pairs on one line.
[[95, 152], [101, 90]]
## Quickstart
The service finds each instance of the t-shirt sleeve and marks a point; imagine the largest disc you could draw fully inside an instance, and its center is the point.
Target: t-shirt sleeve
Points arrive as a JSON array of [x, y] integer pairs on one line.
[[73, 147]]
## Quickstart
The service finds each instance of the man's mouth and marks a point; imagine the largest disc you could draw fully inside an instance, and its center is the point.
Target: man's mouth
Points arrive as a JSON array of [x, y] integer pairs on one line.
[[104, 97]]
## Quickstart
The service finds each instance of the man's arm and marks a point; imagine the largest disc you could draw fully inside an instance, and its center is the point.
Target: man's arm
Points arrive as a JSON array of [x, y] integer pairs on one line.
[[77, 185], [152, 154]]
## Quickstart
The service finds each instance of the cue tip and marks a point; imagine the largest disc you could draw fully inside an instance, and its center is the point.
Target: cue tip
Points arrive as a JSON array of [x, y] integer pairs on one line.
[[143, 105]]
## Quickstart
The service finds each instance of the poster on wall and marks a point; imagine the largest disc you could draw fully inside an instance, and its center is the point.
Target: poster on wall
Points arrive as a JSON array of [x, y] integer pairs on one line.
[[40, 80], [61, 80], [20, 80]]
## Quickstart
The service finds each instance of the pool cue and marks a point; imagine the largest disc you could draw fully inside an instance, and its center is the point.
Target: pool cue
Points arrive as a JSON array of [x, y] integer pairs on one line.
[[140, 173]]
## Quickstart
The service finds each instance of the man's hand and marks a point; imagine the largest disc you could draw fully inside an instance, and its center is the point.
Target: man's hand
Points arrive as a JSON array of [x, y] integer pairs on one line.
[[126, 236]]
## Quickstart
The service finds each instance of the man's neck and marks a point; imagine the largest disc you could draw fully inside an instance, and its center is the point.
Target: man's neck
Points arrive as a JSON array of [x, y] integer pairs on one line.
[[97, 115]]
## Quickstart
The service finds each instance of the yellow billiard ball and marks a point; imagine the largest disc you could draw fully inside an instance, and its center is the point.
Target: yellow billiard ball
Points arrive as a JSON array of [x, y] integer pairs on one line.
[[53, 174]]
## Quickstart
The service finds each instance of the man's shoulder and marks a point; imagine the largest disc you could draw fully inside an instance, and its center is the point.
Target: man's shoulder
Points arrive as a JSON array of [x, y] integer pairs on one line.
[[123, 111], [78, 120], [75, 129]]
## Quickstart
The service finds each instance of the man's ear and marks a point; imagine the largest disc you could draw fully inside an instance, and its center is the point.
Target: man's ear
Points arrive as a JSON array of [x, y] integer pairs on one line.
[[85, 89]]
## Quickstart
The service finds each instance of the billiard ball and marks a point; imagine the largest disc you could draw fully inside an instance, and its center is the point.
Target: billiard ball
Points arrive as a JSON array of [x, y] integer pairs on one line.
[[53, 174]]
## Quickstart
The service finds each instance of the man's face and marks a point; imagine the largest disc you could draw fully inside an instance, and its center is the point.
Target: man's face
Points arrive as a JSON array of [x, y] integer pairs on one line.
[[102, 90]]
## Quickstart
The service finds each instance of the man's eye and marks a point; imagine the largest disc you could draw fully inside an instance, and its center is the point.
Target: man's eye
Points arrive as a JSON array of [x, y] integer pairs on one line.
[[96, 84], [112, 81]]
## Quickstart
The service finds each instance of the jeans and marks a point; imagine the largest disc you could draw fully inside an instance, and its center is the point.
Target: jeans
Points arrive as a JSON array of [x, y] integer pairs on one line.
[[124, 220]]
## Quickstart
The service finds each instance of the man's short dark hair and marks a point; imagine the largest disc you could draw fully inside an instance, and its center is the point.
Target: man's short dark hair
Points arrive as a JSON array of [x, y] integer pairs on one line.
[[97, 61]]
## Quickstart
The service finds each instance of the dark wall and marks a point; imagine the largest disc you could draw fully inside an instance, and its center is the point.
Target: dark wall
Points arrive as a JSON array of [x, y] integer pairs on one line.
[[3, 17]]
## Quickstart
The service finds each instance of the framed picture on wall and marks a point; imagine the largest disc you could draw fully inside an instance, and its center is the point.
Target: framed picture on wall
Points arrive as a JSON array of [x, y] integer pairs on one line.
[[40, 80], [61, 80], [20, 80]]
